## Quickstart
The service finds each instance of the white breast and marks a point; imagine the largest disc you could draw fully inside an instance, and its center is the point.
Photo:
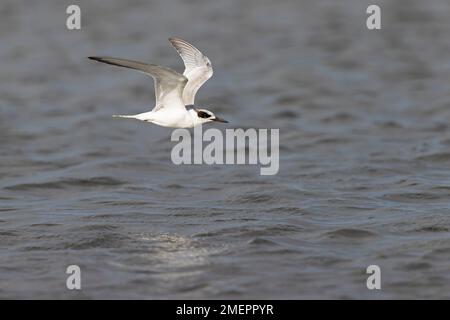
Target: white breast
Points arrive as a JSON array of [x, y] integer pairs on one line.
[[171, 118]]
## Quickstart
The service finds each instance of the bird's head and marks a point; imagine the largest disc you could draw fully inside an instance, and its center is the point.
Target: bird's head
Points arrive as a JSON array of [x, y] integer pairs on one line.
[[204, 116]]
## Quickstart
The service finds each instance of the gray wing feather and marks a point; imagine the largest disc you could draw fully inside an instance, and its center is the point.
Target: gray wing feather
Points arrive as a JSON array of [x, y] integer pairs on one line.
[[198, 68], [167, 81]]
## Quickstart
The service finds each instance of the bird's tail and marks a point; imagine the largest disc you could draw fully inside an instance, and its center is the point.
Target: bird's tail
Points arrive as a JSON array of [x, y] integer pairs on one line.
[[125, 116]]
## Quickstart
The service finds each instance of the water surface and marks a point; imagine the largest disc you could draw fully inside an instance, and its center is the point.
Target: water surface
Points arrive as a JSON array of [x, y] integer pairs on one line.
[[364, 152]]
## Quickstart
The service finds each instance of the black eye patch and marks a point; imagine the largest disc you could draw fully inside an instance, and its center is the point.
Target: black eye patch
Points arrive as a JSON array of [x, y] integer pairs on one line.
[[202, 114]]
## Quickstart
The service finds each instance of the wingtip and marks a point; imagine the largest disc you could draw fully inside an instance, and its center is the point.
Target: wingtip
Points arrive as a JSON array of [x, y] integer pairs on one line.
[[176, 39]]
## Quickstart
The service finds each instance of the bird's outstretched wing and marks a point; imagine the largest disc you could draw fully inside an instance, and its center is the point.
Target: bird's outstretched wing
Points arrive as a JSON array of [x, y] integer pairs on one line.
[[169, 84], [198, 68]]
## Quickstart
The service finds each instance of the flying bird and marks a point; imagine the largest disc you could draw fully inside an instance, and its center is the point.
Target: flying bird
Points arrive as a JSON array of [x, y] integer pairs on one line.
[[174, 92]]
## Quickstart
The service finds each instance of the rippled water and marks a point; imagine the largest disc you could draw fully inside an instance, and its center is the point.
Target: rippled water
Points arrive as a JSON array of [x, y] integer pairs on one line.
[[364, 152]]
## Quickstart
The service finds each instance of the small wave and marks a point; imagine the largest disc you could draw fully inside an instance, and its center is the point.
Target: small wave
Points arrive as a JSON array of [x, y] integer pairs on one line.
[[286, 209], [45, 225], [265, 245], [286, 114], [436, 157], [8, 233], [88, 182], [390, 125], [438, 254], [324, 261], [105, 240], [434, 228], [94, 227], [289, 100], [332, 140], [350, 233], [414, 196], [416, 266], [262, 241], [174, 186], [254, 198], [441, 188], [339, 117], [254, 232]]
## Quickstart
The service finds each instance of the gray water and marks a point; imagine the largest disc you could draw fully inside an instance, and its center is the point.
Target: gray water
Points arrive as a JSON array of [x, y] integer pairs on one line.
[[364, 152]]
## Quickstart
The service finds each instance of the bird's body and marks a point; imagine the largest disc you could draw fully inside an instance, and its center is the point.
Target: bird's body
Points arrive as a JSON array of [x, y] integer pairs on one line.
[[175, 93], [167, 118]]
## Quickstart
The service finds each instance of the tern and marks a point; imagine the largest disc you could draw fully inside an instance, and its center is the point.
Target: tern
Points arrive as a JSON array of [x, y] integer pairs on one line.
[[174, 92]]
